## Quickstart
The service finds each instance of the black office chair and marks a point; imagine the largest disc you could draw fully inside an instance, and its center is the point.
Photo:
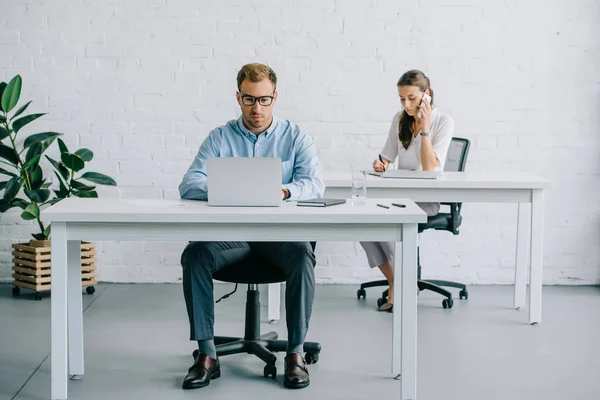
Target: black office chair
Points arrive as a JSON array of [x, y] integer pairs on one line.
[[444, 221], [255, 271]]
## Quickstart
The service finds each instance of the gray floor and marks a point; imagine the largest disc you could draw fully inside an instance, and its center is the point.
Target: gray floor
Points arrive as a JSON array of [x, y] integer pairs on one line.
[[137, 348]]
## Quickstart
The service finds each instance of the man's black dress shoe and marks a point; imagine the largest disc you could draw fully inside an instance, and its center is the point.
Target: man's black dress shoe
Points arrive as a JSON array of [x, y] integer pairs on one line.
[[296, 373], [204, 369]]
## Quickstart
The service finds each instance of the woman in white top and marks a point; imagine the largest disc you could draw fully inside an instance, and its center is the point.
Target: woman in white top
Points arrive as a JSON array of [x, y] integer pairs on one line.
[[419, 137]]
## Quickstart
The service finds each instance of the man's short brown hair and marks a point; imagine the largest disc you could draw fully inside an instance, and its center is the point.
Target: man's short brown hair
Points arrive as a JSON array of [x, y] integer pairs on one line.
[[255, 73]]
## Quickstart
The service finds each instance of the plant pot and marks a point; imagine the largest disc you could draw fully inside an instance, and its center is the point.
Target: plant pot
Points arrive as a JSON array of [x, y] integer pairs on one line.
[[32, 262]]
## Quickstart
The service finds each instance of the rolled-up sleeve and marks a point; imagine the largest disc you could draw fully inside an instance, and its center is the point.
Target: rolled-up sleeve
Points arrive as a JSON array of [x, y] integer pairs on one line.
[[307, 182], [193, 186], [390, 148]]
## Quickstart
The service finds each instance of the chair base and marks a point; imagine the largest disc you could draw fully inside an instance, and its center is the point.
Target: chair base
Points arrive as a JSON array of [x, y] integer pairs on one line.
[[263, 346], [427, 284]]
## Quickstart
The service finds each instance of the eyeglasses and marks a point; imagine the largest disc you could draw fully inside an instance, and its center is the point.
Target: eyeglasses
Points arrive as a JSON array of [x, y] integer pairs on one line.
[[262, 100]]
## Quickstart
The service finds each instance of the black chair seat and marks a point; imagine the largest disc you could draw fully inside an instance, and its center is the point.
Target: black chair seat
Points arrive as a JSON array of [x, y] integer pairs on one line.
[[251, 270], [441, 221]]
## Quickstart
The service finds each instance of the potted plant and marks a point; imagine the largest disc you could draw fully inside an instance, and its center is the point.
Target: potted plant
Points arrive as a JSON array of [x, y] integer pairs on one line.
[[24, 186]]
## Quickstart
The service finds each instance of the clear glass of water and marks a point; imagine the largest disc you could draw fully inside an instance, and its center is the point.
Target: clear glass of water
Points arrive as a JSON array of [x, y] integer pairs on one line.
[[359, 187]]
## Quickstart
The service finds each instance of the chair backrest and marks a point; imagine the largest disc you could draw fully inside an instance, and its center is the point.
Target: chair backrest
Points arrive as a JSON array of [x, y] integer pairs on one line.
[[456, 159]]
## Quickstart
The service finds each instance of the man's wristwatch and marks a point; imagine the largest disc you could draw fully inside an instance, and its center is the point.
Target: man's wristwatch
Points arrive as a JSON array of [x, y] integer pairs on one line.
[[426, 134]]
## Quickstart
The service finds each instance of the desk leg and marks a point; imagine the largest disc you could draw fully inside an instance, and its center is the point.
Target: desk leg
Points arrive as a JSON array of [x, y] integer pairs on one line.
[[406, 259], [521, 257], [75, 309], [58, 313], [274, 296], [537, 233]]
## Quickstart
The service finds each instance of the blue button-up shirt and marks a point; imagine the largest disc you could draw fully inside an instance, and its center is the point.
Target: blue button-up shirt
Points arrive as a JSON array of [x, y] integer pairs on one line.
[[284, 139]]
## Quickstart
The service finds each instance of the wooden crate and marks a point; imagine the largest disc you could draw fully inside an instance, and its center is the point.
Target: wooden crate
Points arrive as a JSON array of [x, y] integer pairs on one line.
[[32, 261]]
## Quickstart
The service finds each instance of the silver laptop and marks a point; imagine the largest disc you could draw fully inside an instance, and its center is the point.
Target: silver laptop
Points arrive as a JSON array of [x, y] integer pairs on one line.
[[244, 181], [407, 174]]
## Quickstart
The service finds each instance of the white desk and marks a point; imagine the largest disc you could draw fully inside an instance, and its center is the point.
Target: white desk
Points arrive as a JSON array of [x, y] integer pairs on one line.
[[523, 188], [76, 219]]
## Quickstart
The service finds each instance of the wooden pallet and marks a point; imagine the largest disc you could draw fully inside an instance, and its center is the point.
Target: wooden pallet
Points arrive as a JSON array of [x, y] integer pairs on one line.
[[32, 265]]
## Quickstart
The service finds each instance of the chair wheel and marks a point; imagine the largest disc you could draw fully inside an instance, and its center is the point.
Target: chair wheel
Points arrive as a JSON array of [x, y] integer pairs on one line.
[[380, 302], [195, 354], [311, 358], [37, 296], [463, 294], [270, 370], [361, 293], [447, 303], [90, 290], [16, 291]]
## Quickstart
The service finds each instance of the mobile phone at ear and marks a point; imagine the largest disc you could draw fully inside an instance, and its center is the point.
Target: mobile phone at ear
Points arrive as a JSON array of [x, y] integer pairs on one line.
[[426, 98]]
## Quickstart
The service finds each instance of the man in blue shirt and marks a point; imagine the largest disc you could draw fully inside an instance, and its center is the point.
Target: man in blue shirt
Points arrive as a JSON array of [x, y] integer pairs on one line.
[[257, 133]]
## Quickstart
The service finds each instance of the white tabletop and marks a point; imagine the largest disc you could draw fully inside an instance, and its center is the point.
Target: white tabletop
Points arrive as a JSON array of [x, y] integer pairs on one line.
[[449, 180], [190, 211]]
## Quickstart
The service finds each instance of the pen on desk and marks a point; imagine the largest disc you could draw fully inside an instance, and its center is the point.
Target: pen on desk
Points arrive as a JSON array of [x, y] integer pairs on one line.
[[382, 206]]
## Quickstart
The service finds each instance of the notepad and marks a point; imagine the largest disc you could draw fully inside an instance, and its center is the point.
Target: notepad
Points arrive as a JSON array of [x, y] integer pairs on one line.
[[320, 202], [407, 174]]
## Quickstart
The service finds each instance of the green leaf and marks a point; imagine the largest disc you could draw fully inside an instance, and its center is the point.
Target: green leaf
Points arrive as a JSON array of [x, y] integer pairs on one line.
[[38, 196], [2, 117], [21, 122], [39, 236], [45, 184], [55, 200], [72, 161], [47, 231], [36, 178], [4, 206], [11, 94], [85, 154], [3, 133], [81, 186], [20, 110], [62, 146], [99, 178], [8, 153], [3, 185], [40, 137], [31, 212], [60, 167], [12, 188], [63, 191], [32, 163], [3, 86], [22, 204], [5, 172], [87, 194], [35, 150]]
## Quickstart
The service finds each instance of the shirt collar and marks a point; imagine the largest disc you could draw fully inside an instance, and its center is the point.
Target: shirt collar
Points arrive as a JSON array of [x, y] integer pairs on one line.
[[246, 131]]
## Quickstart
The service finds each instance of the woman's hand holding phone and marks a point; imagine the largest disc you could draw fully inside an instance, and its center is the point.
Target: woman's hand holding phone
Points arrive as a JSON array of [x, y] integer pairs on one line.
[[425, 113]]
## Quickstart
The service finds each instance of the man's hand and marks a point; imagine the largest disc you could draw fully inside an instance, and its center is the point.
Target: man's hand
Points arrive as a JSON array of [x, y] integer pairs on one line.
[[285, 194]]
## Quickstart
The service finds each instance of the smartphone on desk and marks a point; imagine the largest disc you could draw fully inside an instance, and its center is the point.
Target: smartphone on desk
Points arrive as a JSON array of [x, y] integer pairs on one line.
[[426, 98]]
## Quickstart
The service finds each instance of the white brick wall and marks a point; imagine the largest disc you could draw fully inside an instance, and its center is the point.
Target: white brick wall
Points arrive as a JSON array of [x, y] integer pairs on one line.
[[141, 81]]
